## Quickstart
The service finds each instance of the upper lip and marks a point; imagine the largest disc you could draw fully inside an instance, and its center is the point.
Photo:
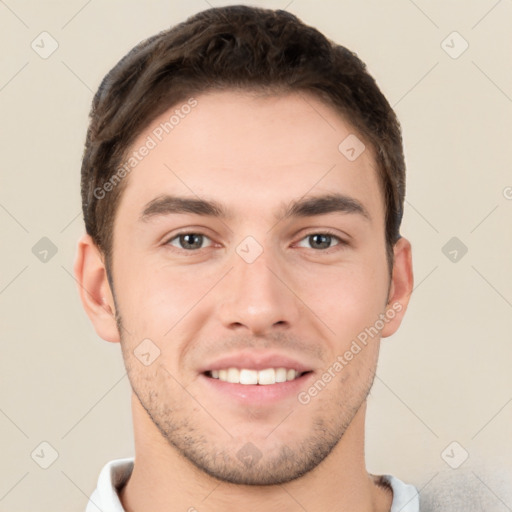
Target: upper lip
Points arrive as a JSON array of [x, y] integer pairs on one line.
[[256, 361]]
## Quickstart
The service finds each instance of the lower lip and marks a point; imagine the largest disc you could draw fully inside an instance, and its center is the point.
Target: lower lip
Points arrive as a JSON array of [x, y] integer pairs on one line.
[[255, 393]]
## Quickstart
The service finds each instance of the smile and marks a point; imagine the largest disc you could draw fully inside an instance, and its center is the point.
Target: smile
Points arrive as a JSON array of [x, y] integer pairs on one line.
[[251, 377]]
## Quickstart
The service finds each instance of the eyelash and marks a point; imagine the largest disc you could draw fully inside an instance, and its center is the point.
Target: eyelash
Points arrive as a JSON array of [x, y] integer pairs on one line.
[[341, 243]]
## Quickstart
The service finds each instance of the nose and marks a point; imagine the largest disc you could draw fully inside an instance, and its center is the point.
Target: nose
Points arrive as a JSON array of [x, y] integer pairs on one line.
[[258, 296]]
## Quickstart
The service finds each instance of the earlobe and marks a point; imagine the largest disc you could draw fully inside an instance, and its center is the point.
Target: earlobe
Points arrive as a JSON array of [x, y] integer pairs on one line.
[[94, 289], [402, 283]]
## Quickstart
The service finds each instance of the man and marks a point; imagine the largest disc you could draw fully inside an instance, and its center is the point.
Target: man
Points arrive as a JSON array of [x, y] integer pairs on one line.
[[243, 183]]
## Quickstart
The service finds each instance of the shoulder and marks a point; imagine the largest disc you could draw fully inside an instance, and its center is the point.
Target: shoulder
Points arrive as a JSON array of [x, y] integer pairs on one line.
[[471, 490], [112, 478], [405, 496]]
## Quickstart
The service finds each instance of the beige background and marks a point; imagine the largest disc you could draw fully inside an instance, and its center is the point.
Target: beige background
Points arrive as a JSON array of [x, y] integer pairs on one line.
[[445, 376]]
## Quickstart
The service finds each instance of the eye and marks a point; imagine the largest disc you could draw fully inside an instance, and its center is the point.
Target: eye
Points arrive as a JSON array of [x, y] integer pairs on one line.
[[189, 241], [321, 240]]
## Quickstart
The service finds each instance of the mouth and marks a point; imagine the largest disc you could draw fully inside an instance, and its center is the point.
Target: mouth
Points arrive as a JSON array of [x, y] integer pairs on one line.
[[256, 378], [252, 377]]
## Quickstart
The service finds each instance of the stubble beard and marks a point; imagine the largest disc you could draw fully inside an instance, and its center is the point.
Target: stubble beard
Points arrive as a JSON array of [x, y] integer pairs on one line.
[[224, 462]]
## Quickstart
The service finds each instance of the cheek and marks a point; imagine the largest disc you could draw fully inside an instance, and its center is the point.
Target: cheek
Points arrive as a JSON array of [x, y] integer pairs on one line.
[[347, 299], [154, 297]]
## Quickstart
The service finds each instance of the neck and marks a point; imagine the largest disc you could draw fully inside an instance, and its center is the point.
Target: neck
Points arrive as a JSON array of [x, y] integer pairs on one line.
[[163, 480]]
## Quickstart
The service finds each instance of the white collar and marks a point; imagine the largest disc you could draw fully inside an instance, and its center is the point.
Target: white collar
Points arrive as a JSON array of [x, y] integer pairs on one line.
[[114, 474]]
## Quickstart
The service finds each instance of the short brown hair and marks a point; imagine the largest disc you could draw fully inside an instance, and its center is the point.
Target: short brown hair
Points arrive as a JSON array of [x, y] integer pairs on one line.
[[234, 47]]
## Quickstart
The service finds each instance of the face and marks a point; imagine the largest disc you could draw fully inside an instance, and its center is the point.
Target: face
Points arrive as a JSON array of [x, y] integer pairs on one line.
[[249, 254]]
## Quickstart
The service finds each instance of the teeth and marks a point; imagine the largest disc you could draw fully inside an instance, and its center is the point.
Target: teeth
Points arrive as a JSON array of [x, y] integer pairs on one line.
[[248, 377], [290, 374], [251, 377], [267, 376], [233, 375], [281, 375]]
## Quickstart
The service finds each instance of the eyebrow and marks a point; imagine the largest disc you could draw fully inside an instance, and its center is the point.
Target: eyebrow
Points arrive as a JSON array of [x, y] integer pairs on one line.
[[303, 207]]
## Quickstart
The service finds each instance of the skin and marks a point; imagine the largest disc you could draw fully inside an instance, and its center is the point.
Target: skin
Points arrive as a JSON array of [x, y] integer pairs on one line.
[[298, 298]]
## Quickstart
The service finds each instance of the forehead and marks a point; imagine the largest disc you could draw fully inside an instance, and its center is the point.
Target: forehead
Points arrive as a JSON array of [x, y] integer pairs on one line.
[[251, 151]]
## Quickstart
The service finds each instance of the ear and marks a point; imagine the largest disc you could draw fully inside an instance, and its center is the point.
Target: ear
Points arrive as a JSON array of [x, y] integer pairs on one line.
[[402, 283], [94, 289]]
